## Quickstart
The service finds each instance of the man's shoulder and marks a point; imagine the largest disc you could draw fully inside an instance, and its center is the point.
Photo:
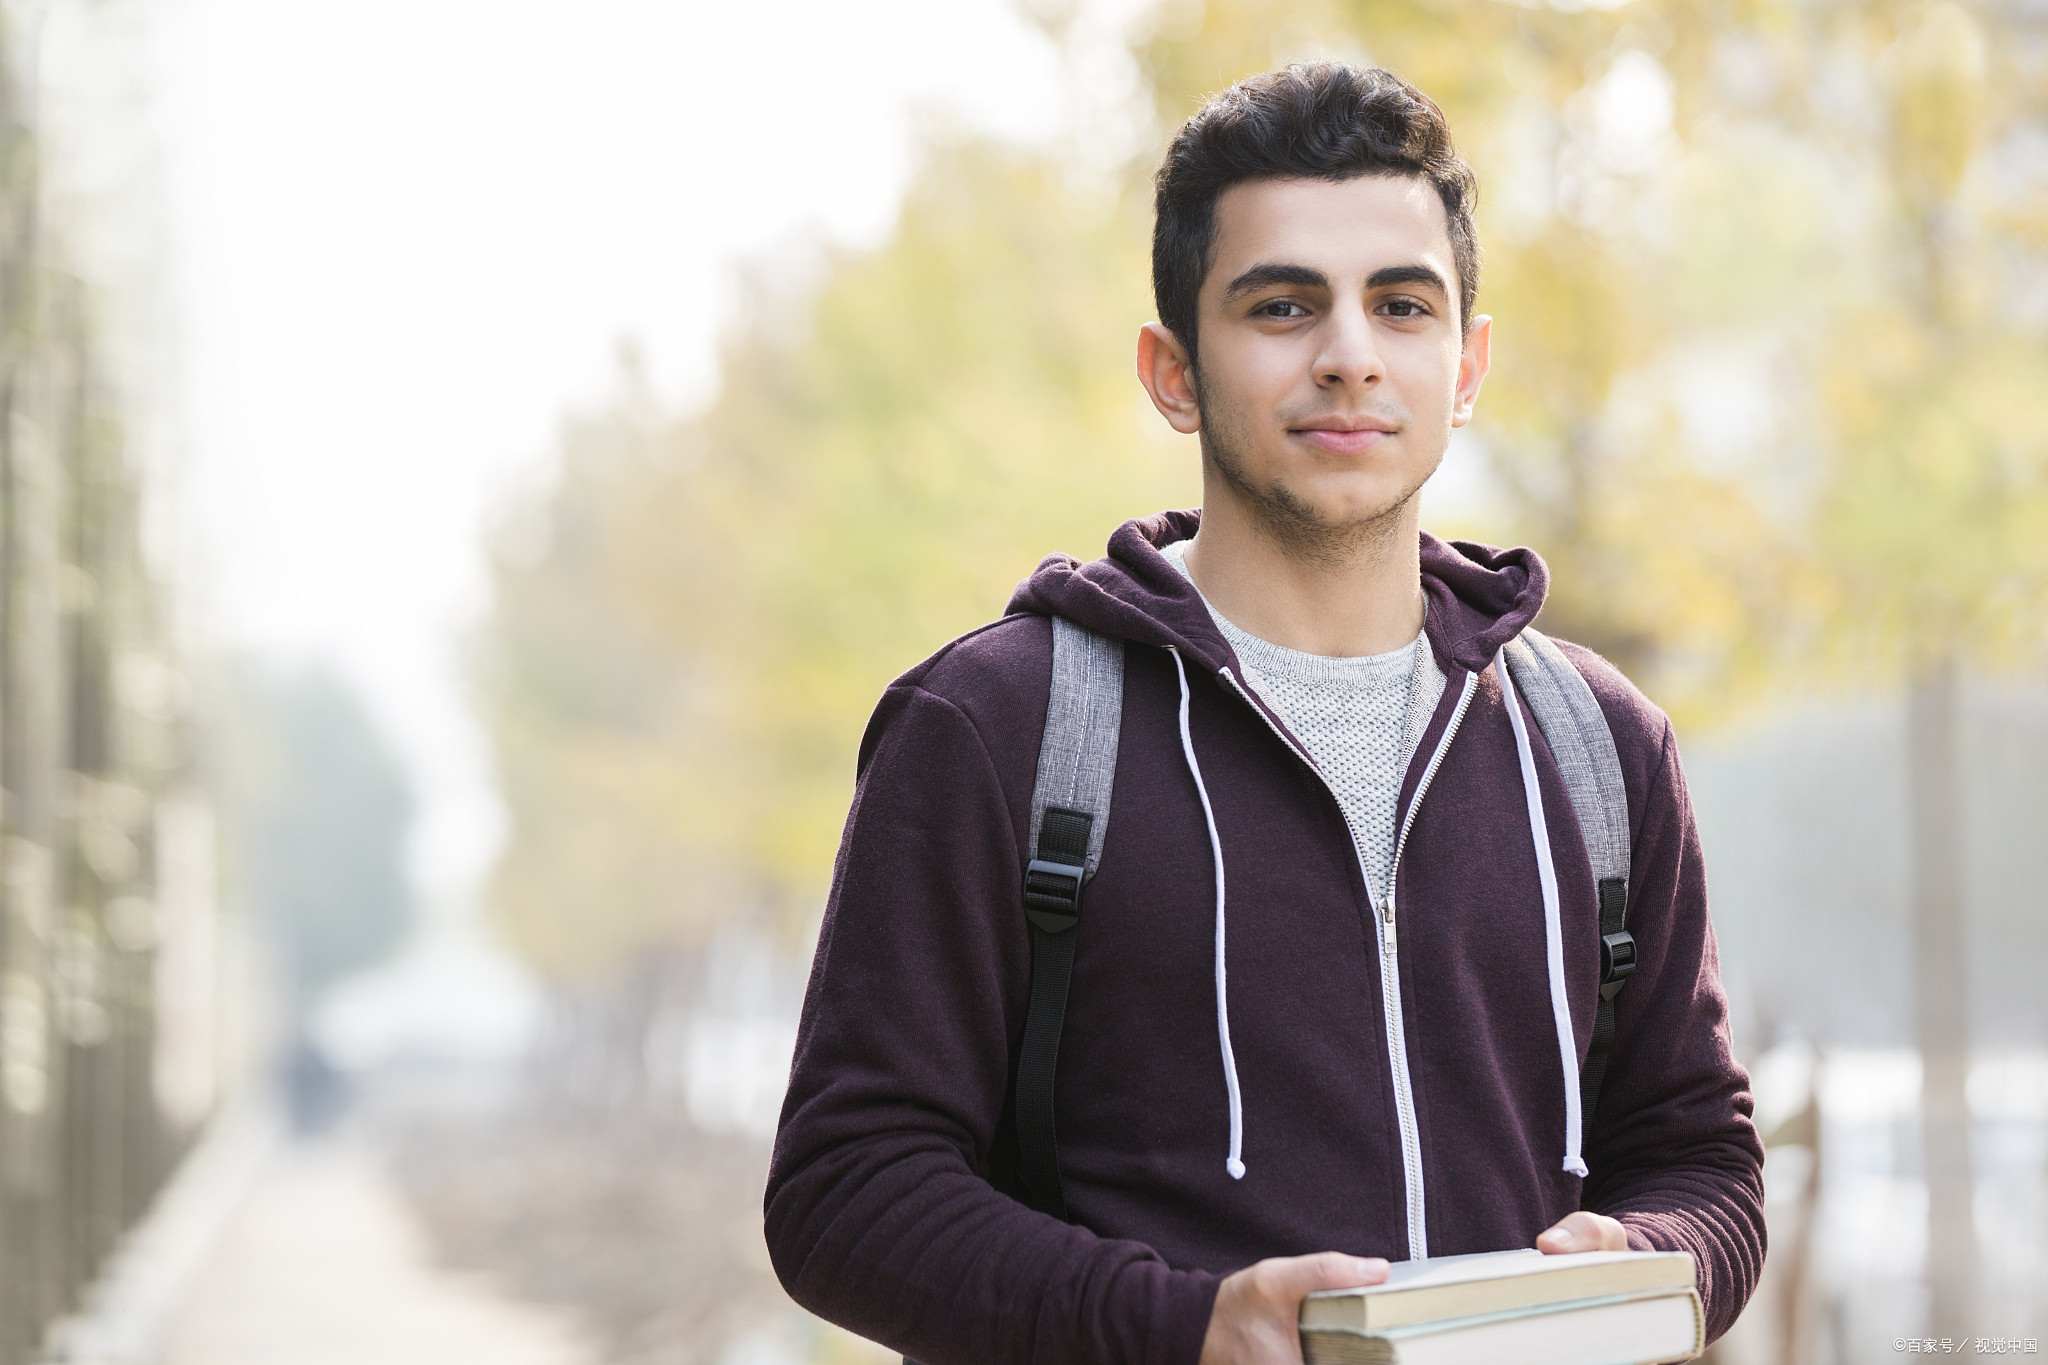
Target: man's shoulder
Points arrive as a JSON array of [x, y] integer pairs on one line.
[[997, 676], [994, 663]]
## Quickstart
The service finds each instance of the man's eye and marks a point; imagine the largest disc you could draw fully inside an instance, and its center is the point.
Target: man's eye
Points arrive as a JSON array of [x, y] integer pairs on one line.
[[1404, 308], [1282, 308]]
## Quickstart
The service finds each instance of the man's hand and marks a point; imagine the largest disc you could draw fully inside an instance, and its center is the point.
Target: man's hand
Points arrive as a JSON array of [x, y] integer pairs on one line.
[[1258, 1310], [1582, 1231]]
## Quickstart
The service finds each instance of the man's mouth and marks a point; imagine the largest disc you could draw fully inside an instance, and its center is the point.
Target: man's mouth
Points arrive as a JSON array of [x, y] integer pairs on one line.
[[1341, 437]]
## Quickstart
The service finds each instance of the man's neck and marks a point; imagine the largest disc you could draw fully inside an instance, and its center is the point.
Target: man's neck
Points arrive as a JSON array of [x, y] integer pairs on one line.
[[1367, 600]]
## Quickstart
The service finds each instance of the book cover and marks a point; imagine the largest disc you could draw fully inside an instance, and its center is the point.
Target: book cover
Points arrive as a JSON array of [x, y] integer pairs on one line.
[[1493, 1282]]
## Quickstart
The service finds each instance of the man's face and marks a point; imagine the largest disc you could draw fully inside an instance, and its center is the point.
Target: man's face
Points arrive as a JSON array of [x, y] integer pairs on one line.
[[1332, 366]]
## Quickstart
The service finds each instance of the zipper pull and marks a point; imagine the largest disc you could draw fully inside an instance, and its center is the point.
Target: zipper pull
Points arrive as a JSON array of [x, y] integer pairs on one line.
[[1387, 919]]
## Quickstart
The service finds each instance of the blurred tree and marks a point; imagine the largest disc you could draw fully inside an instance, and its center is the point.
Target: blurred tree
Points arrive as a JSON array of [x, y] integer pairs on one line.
[[1935, 500], [694, 622], [317, 810], [94, 764]]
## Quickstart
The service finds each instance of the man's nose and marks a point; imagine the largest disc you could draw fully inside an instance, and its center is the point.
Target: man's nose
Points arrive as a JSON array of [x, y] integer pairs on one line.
[[1349, 357]]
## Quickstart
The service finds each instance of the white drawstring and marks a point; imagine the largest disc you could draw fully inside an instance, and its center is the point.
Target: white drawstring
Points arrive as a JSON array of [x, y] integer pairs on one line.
[[1234, 1162], [1553, 929]]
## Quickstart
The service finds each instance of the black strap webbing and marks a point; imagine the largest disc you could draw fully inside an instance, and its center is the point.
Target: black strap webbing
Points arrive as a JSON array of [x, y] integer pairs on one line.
[[1052, 903], [1617, 960]]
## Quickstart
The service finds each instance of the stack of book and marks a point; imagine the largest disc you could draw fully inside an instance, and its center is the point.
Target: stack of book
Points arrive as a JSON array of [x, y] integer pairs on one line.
[[1590, 1308]]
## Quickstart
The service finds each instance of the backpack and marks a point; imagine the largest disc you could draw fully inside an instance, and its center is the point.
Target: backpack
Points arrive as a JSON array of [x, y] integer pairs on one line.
[[1070, 816]]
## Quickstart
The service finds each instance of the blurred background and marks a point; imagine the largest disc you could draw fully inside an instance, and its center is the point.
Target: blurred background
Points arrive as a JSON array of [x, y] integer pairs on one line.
[[468, 470]]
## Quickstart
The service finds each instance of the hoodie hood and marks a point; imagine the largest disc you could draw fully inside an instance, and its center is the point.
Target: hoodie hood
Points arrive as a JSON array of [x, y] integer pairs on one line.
[[1479, 597]]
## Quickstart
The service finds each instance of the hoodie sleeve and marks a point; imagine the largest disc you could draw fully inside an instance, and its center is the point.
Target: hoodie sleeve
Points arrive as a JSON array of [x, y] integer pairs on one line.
[[1673, 1152], [879, 1212]]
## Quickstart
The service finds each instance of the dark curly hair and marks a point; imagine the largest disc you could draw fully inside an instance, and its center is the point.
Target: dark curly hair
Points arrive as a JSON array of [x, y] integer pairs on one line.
[[1308, 121]]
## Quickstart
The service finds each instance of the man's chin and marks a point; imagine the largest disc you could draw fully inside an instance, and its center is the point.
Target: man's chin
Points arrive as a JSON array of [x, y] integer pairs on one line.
[[1319, 513], [1339, 512]]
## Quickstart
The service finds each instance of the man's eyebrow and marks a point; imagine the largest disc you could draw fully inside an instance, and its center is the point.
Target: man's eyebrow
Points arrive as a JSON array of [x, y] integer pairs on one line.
[[1409, 274], [1266, 276], [1306, 277]]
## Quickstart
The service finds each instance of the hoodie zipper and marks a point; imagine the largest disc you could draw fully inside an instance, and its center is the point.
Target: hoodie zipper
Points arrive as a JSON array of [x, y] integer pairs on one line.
[[1390, 962]]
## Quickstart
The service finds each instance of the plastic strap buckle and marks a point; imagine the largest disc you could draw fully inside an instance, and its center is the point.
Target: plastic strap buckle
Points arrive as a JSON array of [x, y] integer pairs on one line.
[[1052, 894], [1617, 961]]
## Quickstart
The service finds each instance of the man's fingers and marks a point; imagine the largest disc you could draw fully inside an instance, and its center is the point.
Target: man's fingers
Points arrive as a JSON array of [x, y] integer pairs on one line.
[[1583, 1231], [1294, 1276], [1257, 1308]]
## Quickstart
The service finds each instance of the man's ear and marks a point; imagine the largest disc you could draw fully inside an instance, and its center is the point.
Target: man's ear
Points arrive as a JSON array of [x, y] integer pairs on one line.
[[1472, 367], [1169, 377]]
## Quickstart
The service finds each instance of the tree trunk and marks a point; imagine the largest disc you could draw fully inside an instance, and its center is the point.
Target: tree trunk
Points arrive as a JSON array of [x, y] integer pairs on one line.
[[1941, 993], [1794, 1326]]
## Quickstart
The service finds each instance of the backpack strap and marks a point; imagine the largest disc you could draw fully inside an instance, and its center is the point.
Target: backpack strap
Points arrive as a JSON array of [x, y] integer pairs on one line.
[[1069, 817], [1576, 730]]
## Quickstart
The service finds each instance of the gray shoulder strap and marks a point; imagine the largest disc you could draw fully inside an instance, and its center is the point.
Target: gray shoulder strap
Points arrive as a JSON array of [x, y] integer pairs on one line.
[[1069, 815], [1579, 739], [1077, 761]]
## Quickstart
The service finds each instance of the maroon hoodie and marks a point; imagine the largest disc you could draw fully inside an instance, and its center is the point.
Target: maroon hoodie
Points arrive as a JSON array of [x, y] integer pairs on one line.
[[893, 1203]]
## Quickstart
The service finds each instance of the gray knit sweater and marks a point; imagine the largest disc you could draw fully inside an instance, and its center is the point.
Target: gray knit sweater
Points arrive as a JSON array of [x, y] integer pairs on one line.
[[1360, 719]]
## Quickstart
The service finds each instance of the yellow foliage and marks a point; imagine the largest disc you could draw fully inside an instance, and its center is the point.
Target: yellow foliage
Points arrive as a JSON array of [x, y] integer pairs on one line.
[[1935, 73], [734, 591]]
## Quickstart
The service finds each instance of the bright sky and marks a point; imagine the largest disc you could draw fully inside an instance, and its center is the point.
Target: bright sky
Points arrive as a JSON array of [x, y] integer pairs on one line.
[[403, 236]]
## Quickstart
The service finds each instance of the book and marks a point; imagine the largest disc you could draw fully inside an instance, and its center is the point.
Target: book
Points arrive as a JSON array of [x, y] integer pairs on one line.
[[1645, 1328], [1493, 1282]]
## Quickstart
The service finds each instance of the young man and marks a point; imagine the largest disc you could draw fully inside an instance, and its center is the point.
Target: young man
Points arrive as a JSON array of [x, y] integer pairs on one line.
[[1319, 782]]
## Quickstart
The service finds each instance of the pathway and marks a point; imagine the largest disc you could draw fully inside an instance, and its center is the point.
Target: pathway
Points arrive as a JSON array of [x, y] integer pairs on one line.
[[323, 1264]]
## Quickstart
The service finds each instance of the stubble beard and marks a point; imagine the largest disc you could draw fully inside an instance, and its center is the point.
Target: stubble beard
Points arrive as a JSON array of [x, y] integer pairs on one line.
[[1301, 530]]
